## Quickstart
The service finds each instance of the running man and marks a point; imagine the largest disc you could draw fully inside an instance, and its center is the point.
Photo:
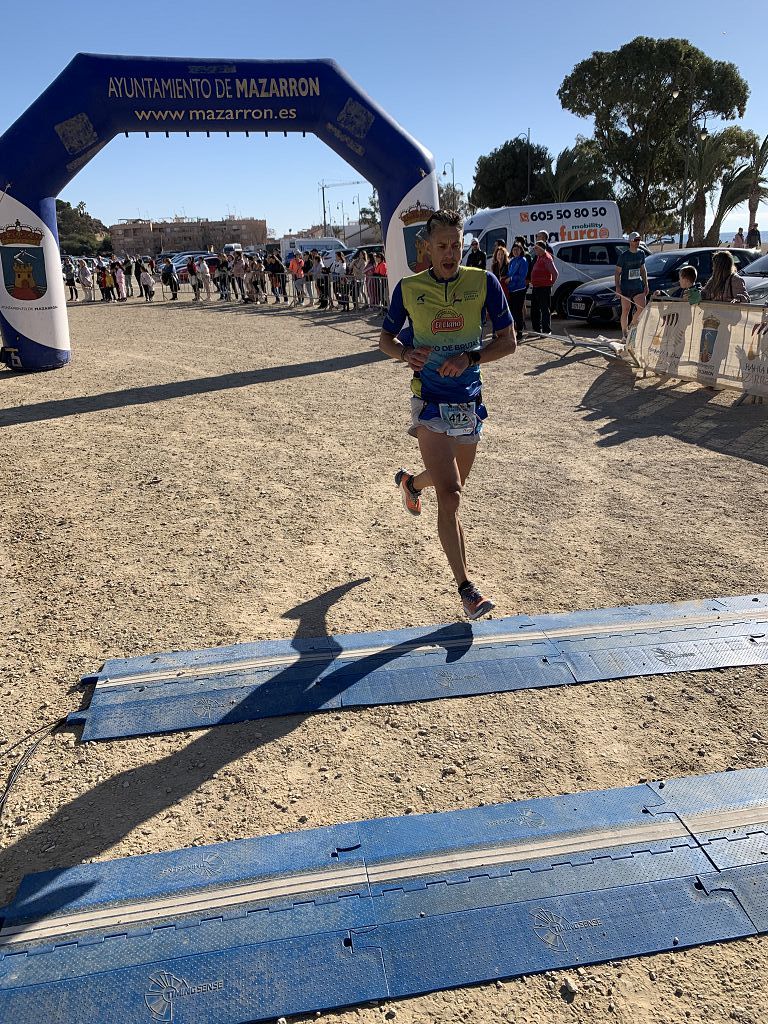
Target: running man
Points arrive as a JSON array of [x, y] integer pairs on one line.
[[445, 307], [631, 280]]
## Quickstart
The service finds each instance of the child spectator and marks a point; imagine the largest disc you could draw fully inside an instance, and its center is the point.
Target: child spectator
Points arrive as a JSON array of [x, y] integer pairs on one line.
[[147, 284]]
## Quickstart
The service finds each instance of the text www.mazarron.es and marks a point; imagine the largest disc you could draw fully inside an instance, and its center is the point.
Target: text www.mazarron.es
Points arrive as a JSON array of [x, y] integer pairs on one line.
[[219, 114]]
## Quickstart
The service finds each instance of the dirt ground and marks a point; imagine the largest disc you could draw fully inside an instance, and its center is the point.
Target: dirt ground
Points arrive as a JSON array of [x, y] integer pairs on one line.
[[205, 475]]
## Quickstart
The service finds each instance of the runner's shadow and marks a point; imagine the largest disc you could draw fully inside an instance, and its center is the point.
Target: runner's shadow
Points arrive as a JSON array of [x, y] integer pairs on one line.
[[35, 412], [105, 814]]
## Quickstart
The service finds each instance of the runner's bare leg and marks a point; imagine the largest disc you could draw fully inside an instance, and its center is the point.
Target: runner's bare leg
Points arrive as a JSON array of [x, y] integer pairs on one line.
[[465, 456], [440, 459]]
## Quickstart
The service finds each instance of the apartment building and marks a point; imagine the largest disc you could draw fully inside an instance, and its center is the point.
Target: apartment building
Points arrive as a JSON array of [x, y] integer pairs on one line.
[[145, 237]]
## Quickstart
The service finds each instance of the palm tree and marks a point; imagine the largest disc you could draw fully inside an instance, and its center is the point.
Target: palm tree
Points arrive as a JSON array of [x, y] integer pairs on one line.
[[570, 172], [712, 158], [734, 190]]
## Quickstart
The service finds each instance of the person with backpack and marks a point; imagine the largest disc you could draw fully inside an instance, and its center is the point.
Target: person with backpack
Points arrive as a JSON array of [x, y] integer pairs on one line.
[[169, 278], [193, 279]]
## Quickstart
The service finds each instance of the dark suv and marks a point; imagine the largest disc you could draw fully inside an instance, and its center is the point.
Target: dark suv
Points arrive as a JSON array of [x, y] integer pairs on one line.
[[598, 301]]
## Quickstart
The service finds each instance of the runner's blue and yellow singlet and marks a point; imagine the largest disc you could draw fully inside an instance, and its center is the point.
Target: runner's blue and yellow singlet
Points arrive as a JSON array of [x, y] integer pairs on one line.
[[447, 317]]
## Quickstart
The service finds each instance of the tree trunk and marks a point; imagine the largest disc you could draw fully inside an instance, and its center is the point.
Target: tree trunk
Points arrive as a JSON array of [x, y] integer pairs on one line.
[[753, 202], [698, 214]]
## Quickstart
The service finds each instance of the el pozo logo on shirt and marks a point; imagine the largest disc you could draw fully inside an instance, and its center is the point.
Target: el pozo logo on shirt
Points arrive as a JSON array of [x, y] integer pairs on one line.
[[447, 320]]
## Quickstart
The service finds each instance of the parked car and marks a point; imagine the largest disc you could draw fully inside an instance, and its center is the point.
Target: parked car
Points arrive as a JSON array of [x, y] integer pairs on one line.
[[580, 262], [598, 301], [181, 266], [758, 293]]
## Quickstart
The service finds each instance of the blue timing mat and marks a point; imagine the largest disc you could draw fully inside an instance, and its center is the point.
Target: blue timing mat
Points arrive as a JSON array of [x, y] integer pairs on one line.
[[289, 924], [195, 689]]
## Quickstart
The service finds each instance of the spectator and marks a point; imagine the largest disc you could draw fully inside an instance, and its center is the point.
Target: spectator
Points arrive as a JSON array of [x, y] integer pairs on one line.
[[359, 263], [128, 271], [147, 284], [687, 290], [369, 273], [259, 280], [753, 238], [204, 277], [725, 285], [519, 240], [137, 269], [380, 270], [296, 267], [321, 280], [238, 276], [276, 270], [517, 283], [543, 276], [543, 236], [85, 277], [109, 283], [308, 264], [739, 241], [476, 256], [169, 278], [119, 275], [101, 280], [222, 278], [500, 268], [70, 279], [193, 279], [339, 280]]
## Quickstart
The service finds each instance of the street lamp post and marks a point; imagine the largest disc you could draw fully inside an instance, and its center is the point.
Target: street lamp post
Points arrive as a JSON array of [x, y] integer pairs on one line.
[[356, 202], [688, 133], [449, 163], [527, 137], [343, 227]]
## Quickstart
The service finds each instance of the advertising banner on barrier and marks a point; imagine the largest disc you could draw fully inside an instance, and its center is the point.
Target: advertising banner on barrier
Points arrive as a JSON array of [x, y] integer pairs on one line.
[[714, 343]]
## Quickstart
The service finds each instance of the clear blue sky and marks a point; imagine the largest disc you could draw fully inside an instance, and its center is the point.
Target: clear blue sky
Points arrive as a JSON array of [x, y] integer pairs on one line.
[[461, 77]]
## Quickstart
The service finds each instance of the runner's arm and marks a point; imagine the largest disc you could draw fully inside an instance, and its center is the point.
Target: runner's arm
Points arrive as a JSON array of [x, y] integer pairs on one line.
[[393, 324], [503, 343]]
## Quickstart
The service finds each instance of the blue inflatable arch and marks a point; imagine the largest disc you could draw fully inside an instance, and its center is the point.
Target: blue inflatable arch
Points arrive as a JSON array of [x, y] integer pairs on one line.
[[97, 97]]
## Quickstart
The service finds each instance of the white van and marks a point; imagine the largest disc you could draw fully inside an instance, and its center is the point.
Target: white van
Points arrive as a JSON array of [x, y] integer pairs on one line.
[[290, 243], [585, 220]]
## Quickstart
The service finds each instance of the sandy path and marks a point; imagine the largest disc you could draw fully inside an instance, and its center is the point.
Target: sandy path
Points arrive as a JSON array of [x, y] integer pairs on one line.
[[203, 476]]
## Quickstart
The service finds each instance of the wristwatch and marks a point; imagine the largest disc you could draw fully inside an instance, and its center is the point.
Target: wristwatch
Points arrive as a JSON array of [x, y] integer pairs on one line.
[[474, 357]]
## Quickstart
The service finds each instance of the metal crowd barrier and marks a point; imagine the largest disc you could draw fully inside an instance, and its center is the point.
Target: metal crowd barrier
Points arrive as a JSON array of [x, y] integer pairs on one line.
[[327, 291]]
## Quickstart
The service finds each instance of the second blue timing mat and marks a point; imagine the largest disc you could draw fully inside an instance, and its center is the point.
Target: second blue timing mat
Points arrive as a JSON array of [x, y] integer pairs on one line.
[[194, 689], [289, 924]]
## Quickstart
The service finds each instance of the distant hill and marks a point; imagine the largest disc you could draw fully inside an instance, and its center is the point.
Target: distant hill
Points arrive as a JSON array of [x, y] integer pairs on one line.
[[79, 232]]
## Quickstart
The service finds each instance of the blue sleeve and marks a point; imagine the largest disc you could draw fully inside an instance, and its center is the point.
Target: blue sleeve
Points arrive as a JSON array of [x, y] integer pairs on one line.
[[396, 314], [496, 303]]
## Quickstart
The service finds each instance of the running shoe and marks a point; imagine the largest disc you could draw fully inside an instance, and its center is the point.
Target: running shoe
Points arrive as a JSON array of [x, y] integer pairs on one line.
[[411, 497], [473, 602]]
